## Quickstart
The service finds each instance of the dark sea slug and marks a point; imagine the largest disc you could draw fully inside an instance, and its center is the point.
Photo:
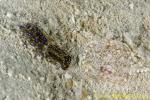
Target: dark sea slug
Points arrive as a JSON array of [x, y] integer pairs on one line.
[[38, 38]]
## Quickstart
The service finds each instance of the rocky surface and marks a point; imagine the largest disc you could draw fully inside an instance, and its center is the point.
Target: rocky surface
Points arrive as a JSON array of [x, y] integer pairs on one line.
[[108, 39]]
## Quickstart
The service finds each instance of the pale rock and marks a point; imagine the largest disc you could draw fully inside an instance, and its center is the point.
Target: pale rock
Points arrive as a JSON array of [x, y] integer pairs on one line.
[[131, 6], [68, 76], [10, 72], [9, 15], [29, 78]]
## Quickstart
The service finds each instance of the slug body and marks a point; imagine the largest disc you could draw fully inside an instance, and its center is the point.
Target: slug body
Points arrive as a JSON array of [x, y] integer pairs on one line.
[[38, 39], [60, 55]]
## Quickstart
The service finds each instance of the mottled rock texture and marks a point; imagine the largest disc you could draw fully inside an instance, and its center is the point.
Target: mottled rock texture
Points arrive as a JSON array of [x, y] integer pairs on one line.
[[108, 39]]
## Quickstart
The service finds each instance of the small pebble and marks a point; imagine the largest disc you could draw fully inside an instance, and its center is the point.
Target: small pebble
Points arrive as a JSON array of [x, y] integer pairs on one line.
[[9, 15], [1, 63], [29, 78], [131, 6], [89, 98], [73, 19], [47, 98], [42, 78], [10, 72], [68, 76]]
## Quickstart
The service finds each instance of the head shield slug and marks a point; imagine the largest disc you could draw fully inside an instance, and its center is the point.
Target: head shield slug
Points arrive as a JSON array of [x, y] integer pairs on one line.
[[39, 39]]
